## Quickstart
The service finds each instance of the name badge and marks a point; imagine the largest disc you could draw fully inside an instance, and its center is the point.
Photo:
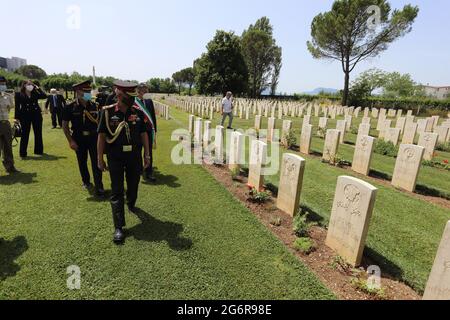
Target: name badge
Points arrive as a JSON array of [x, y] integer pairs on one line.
[[86, 133], [127, 148]]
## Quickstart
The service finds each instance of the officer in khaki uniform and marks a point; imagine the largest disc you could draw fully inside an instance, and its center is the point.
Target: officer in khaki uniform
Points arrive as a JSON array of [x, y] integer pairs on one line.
[[122, 134], [83, 115], [6, 104]]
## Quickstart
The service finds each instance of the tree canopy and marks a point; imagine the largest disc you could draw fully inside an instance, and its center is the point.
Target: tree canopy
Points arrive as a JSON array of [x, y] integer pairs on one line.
[[32, 72], [222, 68], [355, 30], [261, 54]]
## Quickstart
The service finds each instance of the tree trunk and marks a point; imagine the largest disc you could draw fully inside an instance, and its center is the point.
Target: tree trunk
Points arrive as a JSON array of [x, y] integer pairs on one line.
[[346, 89]]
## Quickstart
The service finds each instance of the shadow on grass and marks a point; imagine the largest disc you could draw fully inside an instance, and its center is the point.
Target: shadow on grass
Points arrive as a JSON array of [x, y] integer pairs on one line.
[[313, 216], [9, 252], [154, 230], [22, 178], [163, 180], [380, 175], [427, 191], [386, 265], [44, 157], [95, 198]]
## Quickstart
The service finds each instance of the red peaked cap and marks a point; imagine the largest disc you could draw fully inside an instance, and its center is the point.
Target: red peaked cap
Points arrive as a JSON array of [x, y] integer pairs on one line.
[[85, 86], [126, 87]]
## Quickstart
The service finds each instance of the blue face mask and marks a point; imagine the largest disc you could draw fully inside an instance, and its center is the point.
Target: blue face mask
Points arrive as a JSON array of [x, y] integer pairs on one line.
[[2, 88], [87, 96]]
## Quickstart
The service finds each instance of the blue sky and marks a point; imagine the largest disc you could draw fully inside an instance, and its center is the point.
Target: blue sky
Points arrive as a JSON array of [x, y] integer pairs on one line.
[[140, 39]]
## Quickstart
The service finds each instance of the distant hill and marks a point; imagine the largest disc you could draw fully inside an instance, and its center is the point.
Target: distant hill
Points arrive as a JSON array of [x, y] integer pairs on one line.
[[320, 90]]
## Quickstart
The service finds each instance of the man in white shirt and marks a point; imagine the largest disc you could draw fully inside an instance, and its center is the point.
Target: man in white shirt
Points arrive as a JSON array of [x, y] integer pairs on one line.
[[227, 109]]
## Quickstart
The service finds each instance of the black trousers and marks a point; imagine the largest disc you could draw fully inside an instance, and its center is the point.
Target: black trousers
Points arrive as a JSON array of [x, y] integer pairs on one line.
[[56, 115], [149, 171], [124, 166], [87, 145], [33, 119]]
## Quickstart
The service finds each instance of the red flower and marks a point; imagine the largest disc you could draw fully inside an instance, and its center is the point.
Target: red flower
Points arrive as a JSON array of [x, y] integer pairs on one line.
[[445, 161]]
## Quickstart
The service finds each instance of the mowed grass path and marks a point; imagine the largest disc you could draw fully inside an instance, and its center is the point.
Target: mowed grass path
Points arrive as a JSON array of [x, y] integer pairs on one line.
[[192, 239], [404, 232]]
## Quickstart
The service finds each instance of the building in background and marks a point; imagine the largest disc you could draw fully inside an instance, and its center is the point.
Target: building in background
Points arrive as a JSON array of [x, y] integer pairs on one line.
[[12, 64], [3, 63], [437, 92]]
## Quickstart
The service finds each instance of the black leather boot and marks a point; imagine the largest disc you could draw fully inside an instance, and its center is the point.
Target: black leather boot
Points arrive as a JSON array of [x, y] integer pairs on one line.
[[118, 213], [119, 236]]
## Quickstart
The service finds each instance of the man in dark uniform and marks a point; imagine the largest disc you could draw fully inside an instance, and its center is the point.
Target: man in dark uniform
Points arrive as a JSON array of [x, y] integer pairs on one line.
[[122, 134], [57, 103], [83, 114], [102, 96], [112, 98], [147, 106]]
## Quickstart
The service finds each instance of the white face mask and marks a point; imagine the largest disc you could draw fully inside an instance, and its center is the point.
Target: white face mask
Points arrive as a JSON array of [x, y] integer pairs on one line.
[[2, 88], [29, 87]]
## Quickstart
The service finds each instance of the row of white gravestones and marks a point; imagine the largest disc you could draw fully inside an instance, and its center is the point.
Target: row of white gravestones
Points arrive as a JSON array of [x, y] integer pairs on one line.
[[352, 206]]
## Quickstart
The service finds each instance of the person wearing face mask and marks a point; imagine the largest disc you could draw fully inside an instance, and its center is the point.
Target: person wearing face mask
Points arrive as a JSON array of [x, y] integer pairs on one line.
[[57, 104], [83, 115], [29, 114], [6, 104], [122, 135]]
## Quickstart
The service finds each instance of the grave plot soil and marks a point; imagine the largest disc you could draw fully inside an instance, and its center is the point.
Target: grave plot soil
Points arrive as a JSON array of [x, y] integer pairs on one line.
[[322, 260]]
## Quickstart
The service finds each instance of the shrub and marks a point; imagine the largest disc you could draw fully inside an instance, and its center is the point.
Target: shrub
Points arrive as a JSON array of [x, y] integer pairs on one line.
[[445, 147], [301, 224], [435, 164], [304, 245], [235, 172], [361, 284], [275, 221], [386, 148], [291, 139], [258, 196], [321, 132], [354, 130]]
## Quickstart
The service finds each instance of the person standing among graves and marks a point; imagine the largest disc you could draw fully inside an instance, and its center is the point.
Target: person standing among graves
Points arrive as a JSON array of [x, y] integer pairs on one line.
[[29, 114], [57, 104], [122, 134], [227, 109], [148, 108], [6, 104], [83, 115]]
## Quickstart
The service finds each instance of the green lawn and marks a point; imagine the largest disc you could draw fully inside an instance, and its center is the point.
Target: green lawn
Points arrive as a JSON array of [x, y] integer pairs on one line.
[[192, 239], [405, 232]]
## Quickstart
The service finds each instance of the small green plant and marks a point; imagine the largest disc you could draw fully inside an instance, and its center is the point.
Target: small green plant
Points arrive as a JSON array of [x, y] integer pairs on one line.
[[435, 164], [301, 224], [275, 221], [445, 147], [362, 285], [386, 148], [340, 162], [235, 173], [354, 130], [291, 139], [258, 196], [304, 245], [321, 132], [339, 264]]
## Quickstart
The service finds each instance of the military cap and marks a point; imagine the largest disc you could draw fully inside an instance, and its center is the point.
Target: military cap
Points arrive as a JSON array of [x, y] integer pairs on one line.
[[126, 87], [85, 85]]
